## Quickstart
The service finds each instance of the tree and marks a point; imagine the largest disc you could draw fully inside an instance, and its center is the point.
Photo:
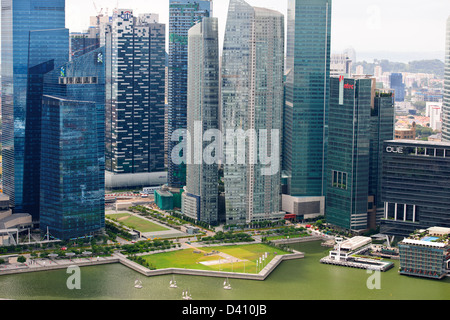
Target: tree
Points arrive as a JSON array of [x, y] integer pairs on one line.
[[21, 259]]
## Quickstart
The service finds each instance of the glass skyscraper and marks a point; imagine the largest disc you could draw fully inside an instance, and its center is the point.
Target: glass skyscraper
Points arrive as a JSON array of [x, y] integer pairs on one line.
[[200, 199], [348, 153], [252, 98], [307, 96], [183, 14], [34, 42], [72, 201], [135, 94], [72, 178], [446, 98], [396, 80]]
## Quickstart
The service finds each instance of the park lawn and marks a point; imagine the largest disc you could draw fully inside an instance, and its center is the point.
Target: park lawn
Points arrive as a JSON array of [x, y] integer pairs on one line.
[[137, 223], [190, 260]]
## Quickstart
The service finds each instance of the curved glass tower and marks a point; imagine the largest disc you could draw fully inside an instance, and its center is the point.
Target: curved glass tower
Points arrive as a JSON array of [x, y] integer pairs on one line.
[[34, 42]]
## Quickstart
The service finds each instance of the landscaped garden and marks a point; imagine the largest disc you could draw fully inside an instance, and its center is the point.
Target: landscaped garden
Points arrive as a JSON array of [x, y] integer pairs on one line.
[[136, 223], [234, 258]]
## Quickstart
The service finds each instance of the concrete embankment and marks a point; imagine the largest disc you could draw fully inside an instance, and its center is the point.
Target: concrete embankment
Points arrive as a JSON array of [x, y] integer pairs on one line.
[[49, 265]]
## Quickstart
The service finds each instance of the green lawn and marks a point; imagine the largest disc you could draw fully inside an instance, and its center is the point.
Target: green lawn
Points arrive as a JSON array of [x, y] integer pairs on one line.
[[188, 259], [137, 223]]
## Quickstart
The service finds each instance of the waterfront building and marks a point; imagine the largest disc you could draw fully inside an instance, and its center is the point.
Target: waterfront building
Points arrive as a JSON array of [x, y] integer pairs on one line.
[[183, 14], [361, 117], [307, 88], [73, 156], [34, 42], [72, 204], [252, 98], [415, 188], [396, 84], [382, 128], [200, 199], [446, 96], [349, 152], [426, 253], [135, 100]]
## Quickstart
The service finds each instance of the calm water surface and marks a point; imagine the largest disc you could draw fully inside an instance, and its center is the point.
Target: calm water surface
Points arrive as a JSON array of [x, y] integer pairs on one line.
[[304, 279]]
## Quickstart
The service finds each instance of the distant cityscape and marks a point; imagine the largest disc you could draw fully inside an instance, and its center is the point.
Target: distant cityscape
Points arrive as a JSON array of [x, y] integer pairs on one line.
[[273, 131]]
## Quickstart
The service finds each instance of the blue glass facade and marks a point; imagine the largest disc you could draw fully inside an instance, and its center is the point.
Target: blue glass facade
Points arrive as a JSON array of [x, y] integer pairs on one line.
[[307, 96], [34, 40], [72, 204], [398, 86], [73, 157], [183, 14]]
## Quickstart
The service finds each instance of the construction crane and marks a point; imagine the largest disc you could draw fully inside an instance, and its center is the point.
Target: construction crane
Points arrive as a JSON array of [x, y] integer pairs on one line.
[[99, 13]]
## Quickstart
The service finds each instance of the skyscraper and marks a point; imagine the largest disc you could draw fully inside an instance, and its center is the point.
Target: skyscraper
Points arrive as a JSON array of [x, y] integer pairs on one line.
[[348, 153], [34, 42], [252, 98], [361, 118], [446, 99], [183, 14], [72, 182], [135, 71], [72, 204], [307, 96], [200, 199], [397, 84]]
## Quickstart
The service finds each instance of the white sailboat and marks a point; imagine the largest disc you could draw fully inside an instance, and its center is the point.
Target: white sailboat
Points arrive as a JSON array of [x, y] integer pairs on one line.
[[138, 284], [173, 283], [226, 285], [186, 295]]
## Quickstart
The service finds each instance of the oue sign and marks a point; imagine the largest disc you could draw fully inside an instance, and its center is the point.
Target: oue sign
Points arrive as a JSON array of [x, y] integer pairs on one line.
[[394, 149]]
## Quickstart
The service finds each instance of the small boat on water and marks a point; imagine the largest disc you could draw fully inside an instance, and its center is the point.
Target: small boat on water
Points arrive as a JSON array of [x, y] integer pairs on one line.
[[138, 284], [226, 285], [186, 295], [173, 283]]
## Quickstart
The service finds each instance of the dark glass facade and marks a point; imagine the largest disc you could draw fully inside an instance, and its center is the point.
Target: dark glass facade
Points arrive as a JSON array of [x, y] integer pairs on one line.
[[72, 204], [382, 127], [307, 96], [73, 157], [348, 153], [34, 41], [183, 14], [415, 190]]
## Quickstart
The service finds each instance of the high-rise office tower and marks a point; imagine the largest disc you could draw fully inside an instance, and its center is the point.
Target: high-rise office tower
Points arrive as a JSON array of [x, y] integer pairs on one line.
[[252, 98], [361, 118], [73, 155], [397, 84], [446, 98], [135, 84], [183, 14], [382, 128], [307, 98], [200, 199], [34, 42], [348, 153]]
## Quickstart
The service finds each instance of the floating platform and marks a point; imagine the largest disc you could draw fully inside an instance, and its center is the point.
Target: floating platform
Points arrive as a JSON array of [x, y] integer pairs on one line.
[[360, 263]]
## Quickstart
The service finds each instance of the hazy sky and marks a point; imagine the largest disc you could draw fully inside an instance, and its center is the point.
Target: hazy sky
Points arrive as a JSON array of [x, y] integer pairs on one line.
[[368, 26]]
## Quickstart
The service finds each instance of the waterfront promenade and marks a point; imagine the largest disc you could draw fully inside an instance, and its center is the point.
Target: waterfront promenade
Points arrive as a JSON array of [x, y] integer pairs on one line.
[[55, 264]]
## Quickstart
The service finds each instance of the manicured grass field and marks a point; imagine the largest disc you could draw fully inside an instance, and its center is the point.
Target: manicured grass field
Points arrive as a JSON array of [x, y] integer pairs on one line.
[[186, 258], [137, 223]]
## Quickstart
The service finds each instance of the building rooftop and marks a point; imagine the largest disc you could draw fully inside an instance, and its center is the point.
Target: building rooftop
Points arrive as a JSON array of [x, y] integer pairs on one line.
[[420, 142]]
